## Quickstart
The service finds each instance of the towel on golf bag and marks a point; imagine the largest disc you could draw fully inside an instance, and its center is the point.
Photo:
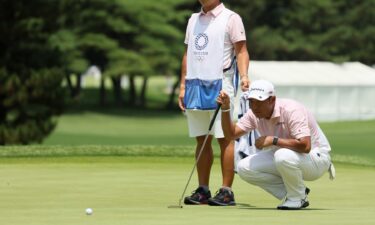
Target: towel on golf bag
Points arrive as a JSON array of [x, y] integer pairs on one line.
[[245, 145]]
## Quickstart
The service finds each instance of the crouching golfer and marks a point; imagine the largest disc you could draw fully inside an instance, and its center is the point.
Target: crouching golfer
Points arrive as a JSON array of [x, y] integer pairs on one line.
[[294, 147]]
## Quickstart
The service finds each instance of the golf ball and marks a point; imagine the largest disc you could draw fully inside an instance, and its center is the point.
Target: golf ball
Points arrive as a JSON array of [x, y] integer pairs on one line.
[[89, 211]]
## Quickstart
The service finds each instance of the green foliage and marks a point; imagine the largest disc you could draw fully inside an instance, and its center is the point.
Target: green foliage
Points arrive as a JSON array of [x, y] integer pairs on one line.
[[326, 30], [131, 32], [134, 38], [29, 105], [157, 36], [127, 62], [30, 80], [53, 39], [67, 42], [44, 41]]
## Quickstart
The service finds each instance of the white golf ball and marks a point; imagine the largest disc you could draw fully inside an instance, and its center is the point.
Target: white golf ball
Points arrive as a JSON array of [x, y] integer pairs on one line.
[[89, 211]]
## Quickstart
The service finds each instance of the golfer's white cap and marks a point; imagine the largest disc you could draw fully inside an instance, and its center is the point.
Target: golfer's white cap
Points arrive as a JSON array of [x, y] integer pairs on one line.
[[261, 90]]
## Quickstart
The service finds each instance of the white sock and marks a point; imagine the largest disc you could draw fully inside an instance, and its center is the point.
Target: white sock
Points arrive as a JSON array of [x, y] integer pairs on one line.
[[227, 188]]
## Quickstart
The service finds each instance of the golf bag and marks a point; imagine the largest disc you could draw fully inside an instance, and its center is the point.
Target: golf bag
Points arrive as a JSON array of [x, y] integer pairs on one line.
[[245, 145]]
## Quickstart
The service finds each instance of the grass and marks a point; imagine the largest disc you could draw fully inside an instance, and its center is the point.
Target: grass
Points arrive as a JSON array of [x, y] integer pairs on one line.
[[129, 165], [121, 128], [351, 141], [137, 150], [137, 190], [95, 150], [352, 138]]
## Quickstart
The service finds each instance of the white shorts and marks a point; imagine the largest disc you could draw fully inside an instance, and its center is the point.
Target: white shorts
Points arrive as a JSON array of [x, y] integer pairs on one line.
[[199, 120]]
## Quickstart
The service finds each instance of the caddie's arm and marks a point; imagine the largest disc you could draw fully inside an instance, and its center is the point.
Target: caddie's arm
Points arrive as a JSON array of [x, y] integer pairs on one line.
[[231, 131], [181, 95], [242, 63]]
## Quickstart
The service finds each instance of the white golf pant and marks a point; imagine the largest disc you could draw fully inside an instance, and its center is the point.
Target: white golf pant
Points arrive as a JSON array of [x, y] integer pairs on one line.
[[281, 172]]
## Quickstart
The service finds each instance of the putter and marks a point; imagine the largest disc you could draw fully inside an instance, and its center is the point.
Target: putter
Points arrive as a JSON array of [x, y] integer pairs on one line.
[[199, 155]]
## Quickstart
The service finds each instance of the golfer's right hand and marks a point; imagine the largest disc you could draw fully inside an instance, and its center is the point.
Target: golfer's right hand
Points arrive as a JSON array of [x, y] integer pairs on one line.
[[224, 100], [181, 99]]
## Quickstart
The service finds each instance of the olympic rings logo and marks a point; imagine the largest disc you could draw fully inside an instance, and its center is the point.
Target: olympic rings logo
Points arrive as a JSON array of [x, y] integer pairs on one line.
[[199, 58], [201, 41]]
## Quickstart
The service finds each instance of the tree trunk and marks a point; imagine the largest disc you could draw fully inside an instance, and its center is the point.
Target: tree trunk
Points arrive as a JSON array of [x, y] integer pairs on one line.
[[170, 104], [70, 85], [2, 110], [117, 90], [132, 91], [78, 87], [143, 92], [102, 98]]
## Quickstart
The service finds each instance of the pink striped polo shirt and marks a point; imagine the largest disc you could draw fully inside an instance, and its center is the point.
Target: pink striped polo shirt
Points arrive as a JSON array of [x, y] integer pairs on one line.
[[290, 120], [235, 31]]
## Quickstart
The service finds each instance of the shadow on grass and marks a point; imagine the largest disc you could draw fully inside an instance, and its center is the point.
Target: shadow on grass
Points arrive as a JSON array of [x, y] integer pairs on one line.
[[274, 208], [127, 112], [88, 101], [257, 208], [253, 207]]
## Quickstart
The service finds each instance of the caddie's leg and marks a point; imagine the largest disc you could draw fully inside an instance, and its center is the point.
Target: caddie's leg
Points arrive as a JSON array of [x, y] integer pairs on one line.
[[198, 122], [227, 161], [259, 169], [205, 161], [226, 147], [225, 196]]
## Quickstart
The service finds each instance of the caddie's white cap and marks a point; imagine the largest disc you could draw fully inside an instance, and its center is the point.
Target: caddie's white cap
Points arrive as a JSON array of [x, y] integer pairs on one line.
[[261, 90]]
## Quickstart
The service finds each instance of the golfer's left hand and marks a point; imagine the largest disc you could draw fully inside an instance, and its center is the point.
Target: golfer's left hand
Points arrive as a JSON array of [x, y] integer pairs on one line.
[[263, 142]]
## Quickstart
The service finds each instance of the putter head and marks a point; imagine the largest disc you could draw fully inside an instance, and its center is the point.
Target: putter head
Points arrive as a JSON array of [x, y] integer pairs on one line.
[[175, 206]]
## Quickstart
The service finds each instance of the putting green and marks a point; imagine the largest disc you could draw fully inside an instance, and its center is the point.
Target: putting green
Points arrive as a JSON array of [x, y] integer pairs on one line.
[[137, 190]]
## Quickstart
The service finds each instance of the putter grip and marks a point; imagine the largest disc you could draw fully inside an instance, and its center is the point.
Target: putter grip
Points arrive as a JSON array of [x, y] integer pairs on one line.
[[214, 117]]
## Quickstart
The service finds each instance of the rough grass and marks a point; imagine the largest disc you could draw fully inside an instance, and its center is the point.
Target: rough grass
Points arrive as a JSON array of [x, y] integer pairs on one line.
[[137, 150], [95, 150]]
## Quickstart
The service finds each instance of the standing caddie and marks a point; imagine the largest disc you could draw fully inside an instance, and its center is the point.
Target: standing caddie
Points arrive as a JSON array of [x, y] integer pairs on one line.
[[293, 147], [215, 38]]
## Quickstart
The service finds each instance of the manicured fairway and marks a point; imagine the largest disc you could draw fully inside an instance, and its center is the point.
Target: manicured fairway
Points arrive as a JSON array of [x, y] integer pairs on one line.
[[137, 190], [121, 128], [350, 141]]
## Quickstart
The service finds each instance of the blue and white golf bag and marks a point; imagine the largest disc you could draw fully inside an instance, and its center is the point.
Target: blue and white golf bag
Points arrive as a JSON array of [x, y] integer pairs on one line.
[[245, 145]]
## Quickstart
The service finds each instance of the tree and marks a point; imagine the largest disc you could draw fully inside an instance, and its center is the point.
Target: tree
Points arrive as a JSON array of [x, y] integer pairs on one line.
[[327, 30], [31, 95], [135, 38], [93, 26], [158, 38]]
